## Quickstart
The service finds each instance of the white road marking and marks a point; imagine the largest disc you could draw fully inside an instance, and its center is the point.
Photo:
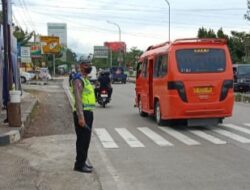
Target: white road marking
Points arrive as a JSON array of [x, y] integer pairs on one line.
[[154, 136], [232, 135], [208, 137], [130, 139], [235, 127], [183, 138], [247, 124], [105, 138]]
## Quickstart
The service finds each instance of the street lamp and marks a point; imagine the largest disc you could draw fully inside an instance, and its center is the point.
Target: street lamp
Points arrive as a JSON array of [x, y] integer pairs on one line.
[[168, 19], [119, 29]]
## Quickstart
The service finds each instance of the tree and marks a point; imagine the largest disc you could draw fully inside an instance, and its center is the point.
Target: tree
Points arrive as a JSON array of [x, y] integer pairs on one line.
[[247, 14], [237, 42], [221, 34], [204, 33], [21, 36], [132, 56]]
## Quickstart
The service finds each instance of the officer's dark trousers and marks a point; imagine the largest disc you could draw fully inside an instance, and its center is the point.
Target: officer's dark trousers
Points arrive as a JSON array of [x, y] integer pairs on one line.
[[83, 136]]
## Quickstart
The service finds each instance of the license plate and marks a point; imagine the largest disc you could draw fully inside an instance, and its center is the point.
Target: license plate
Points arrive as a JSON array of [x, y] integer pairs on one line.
[[104, 95], [203, 90]]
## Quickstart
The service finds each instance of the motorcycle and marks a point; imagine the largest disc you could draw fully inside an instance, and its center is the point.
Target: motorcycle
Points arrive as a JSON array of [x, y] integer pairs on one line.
[[102, 97]]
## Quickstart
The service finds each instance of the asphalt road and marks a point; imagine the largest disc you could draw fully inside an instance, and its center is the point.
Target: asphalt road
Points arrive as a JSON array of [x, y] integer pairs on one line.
[[132, 152], [128, 152]]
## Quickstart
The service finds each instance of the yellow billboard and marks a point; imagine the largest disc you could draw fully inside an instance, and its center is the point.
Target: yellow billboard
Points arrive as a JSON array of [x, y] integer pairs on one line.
[[50, 44]]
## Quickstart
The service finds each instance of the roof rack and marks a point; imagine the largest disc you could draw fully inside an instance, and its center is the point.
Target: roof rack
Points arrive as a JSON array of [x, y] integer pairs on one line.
[[157, 46], [211, 40]]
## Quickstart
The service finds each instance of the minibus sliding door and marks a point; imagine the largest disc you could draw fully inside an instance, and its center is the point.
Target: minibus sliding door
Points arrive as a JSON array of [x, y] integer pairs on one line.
[[150, 84]]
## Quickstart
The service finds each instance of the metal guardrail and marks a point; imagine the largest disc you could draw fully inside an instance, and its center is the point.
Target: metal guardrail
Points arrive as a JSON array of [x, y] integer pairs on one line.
[[240, 97]]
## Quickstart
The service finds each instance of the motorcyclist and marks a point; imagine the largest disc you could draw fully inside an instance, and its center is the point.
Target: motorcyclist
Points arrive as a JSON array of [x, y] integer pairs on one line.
[[104, 83]]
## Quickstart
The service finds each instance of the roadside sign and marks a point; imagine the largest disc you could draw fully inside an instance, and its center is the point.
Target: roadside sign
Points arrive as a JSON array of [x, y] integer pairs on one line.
[[36, 51], [50, 44], [25, 51], [100, 52], [25, 55]]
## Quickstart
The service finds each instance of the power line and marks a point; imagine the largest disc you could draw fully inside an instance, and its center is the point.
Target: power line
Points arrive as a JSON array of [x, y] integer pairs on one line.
[[25, 6], [137, 9], [25, 14], [149, 22], [22, 18]]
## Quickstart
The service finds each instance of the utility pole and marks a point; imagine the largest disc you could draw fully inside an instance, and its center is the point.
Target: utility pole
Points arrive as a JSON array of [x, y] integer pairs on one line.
[[6, 52], [168, 20], [119, 32]]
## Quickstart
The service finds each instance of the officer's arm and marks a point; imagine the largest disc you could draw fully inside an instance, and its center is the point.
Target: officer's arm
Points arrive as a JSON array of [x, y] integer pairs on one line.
[[78, 88]]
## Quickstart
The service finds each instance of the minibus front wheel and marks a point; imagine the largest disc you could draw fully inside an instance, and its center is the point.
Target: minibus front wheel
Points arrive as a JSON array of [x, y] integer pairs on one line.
[[158, 119], [142, 113]]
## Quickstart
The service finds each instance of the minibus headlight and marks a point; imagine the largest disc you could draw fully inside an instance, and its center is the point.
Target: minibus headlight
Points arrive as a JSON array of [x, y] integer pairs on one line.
[[227, 84], [179, 86]]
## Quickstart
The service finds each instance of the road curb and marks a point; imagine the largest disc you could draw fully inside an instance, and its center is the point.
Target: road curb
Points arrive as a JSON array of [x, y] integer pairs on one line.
[[16, 133]]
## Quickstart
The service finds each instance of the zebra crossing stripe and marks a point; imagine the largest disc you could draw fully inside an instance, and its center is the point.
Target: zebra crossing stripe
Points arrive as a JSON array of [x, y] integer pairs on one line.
[[238, 128], [130, 139], [183, 138], [208, 137], [232, 135], [247, 124], [154, 136], [105, 138]]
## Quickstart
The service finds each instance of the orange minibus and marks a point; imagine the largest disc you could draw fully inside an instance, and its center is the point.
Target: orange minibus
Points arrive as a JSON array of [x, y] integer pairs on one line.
[[187, 80]]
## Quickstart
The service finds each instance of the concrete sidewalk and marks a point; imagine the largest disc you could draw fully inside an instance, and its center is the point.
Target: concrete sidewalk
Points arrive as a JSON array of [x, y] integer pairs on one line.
[[9, 134]]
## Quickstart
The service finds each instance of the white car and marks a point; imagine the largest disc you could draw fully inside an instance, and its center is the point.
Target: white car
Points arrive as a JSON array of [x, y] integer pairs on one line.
[[25, 76], [93, 75]]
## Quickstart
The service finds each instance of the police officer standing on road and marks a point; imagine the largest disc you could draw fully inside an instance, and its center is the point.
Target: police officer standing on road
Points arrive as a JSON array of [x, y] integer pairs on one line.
[[84, 103]]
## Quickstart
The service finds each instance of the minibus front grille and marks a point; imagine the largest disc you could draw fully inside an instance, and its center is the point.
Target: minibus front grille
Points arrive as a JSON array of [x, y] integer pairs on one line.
[[179, 86]]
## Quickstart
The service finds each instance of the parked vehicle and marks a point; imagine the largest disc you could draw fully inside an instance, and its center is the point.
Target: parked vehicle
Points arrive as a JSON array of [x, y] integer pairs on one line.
[[118, 75], [44, 73], [25, 76], [189, 80], [241, 77], [32, 74]]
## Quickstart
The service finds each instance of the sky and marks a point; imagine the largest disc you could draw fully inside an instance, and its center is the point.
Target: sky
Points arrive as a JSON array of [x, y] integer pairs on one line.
[[142, 22]]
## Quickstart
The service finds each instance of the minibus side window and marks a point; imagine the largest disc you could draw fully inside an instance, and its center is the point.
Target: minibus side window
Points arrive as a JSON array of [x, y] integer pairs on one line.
[[138, 69], [164, 66], [160, 67], [144, 68], [156, 67]]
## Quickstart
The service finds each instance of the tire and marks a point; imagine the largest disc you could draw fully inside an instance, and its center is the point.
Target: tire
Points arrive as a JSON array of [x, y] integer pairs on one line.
[[158, 118], [142, 113], [23, 80]]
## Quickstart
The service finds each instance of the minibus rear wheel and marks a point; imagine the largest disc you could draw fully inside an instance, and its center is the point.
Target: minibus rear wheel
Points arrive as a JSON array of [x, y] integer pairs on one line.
[[142, 113], [158, 119]]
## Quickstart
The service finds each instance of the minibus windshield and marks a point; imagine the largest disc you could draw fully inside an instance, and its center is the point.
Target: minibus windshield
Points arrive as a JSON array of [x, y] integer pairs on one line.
[[201, 60]]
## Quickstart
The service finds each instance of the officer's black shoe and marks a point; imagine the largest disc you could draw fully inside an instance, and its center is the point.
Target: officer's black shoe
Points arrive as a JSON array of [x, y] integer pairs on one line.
[[89, 166], [83, 169]]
